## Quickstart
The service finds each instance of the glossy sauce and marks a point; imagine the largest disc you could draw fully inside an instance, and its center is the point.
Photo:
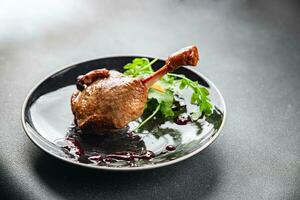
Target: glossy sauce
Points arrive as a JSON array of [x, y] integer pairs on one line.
[[170, 148], [183, 119], [85, 150], [104, 149]]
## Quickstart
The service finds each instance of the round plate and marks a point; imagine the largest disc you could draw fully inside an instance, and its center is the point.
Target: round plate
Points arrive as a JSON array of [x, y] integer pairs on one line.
[[47, 117]]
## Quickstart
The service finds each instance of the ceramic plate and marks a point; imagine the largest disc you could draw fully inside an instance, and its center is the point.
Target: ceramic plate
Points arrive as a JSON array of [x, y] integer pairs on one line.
[[48, 122]]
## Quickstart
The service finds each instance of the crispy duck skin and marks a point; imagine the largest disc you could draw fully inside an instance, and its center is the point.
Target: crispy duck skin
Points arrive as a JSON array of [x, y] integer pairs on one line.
[[109, 99]]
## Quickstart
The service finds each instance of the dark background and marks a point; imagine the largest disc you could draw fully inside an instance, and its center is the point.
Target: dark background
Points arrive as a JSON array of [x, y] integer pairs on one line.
[[250, 49]]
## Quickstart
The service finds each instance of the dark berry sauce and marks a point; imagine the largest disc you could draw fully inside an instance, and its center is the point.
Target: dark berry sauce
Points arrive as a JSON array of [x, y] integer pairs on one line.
[[170, 148], [105, 149], [183, 119]]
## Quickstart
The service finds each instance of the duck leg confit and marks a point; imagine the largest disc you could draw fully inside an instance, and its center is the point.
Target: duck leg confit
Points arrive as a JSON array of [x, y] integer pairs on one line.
[[107, 99]]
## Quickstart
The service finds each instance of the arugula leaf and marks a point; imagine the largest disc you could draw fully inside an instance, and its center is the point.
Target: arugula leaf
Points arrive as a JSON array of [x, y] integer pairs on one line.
[[165, 100], [139, 67], [148, 118], [199, 96]]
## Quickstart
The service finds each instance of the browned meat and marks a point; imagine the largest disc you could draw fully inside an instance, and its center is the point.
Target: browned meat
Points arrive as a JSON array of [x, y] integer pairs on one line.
[[109, 102], [108, 99]]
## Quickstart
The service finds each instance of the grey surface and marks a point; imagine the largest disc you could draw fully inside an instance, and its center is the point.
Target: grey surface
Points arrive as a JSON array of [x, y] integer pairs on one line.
[[250, 49]]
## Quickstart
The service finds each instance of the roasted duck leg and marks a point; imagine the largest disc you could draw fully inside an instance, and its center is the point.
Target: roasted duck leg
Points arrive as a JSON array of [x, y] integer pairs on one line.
[[109, 99]]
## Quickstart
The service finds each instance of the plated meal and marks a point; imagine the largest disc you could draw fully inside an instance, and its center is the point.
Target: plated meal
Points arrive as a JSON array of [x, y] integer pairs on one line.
[[125, 113]]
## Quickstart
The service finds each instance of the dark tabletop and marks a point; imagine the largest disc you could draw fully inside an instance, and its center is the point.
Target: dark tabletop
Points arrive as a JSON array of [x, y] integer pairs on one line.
[[249, 49]]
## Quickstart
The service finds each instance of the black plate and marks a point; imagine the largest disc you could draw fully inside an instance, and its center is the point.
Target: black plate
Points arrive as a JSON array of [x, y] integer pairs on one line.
[[47, 119]]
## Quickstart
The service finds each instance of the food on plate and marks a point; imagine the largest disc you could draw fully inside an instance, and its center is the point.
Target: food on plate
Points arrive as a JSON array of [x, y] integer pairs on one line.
[[110, 99]]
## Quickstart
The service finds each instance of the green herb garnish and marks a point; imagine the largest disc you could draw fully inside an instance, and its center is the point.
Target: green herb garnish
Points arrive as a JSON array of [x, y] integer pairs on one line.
[[162, 102]]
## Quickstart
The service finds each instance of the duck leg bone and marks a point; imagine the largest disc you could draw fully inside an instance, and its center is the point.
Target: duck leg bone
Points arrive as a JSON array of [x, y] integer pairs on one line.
[[188, 56]]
